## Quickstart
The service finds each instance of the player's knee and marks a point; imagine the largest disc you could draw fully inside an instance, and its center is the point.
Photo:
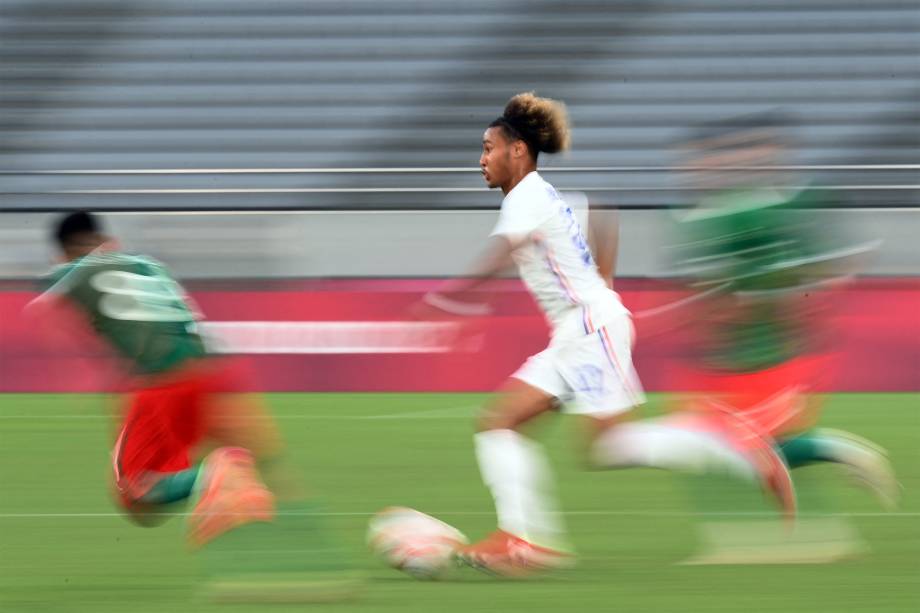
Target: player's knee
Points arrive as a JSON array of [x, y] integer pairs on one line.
[[144, 514], [598, 425], [141, 512], [493, 418], [604, 440], [485, 420]]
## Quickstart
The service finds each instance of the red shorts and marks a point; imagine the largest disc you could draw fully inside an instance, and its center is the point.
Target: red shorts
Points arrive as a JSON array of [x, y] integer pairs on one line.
[[769, 402], [165, 421]]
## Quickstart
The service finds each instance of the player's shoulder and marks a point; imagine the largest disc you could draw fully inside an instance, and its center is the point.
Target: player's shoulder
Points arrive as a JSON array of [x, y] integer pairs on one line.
[[575, 200], [132, 262], [105, 258], [56, 275], [533, 192], [68, 276], [544, 189]]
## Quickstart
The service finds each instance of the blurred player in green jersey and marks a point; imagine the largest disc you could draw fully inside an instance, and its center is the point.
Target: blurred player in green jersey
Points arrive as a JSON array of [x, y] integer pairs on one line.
[[769, 260], [188, 431]]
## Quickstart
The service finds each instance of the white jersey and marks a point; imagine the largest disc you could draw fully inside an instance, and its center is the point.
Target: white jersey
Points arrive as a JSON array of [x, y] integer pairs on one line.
[[554, 259]]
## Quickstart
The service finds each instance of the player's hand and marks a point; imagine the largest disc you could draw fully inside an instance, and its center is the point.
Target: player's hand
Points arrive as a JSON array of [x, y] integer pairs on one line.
[[436, 306], [422, 311]]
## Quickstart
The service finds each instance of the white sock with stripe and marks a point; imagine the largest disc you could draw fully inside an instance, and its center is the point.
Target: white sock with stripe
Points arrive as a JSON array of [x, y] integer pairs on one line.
[[516, 471]]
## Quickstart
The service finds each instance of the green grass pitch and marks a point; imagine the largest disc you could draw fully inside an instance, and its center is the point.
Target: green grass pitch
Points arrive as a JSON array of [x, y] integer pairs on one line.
[[64, 548]]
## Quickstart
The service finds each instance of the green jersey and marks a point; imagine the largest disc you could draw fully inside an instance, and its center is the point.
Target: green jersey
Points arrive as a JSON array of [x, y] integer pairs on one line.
[[757, 250], [136, 306]]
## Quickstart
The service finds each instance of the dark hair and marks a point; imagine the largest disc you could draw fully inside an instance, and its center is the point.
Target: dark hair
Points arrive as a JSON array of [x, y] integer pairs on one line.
[[541, 123], [74, 224]]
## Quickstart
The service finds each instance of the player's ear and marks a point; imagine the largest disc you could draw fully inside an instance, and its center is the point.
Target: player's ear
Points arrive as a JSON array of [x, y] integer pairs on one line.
[[519, 148]]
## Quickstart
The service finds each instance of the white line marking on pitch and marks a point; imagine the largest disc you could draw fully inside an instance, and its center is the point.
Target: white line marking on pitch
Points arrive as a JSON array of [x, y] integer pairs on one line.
[[601, 513], [52, 417], [444, 413]]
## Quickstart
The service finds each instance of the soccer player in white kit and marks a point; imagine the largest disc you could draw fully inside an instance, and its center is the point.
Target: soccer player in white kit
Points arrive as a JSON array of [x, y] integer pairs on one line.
[[587, 366], [588, 363]]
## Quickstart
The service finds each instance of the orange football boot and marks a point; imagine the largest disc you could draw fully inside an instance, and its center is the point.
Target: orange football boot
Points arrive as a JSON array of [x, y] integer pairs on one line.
[[506, 555], [231, 495]]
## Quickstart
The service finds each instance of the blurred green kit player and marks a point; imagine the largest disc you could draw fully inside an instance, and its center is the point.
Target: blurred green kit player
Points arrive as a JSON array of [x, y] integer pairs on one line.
[[766, 259], [184, 401]]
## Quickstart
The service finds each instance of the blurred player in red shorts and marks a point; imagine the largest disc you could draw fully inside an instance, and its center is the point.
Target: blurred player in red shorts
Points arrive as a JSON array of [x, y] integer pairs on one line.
[[768, 264], [188, 430]]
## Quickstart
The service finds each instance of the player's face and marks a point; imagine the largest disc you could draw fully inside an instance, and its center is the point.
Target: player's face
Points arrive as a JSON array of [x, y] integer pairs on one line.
[[495, 161], [718, 160], [83, 244]]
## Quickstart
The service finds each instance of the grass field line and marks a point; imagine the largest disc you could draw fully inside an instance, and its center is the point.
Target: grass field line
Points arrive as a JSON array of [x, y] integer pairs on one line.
[[443, 413], [457, 412], [599, 513]]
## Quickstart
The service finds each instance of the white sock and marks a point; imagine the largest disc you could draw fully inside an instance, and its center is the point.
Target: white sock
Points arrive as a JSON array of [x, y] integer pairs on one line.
[[516, 471], [652, 444]]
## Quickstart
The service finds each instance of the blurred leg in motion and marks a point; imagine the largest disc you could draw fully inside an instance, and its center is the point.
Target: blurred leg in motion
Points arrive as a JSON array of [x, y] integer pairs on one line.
[[530, 534], [818, 536], [866, 462], [285, 552], [590, 375], [695, 448], [250, 515], [230, 495]]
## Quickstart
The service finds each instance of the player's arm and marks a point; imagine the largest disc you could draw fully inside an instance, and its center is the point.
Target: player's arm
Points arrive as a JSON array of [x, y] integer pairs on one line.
[[603, 237], [517, 221], [54, 291], [49, 315], [453, 296], [55, 316]]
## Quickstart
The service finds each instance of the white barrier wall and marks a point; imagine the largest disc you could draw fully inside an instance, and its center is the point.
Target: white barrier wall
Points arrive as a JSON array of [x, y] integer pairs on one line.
[[370, 244]]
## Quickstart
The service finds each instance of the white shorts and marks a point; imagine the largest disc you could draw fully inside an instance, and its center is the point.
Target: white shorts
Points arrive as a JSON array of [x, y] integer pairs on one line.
[[592, 374]]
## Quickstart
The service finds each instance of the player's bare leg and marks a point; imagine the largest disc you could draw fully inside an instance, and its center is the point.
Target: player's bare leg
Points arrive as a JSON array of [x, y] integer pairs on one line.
[[243, 420]]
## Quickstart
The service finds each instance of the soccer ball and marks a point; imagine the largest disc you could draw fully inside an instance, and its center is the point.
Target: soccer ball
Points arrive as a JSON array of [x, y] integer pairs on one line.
[[413, 542]]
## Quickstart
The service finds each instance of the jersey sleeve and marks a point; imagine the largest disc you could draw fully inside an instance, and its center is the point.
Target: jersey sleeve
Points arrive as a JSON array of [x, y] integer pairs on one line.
[[62, 281], [578, 202], [520, 217]]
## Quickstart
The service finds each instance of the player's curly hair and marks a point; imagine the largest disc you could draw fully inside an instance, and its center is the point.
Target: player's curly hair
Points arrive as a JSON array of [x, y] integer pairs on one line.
[[542, 123]]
